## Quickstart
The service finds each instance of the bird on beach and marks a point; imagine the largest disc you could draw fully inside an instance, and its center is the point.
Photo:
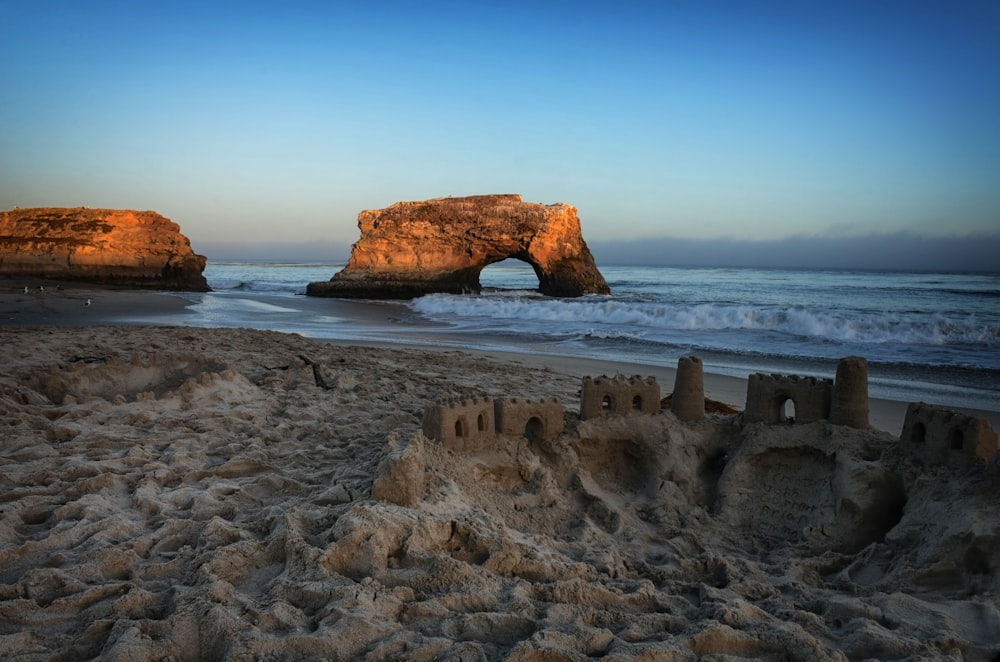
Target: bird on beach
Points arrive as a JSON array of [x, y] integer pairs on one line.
[[25, 289], [86, 304], [41, 288]]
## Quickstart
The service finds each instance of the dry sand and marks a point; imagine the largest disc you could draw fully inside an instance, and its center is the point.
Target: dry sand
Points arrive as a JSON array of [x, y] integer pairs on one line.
[[192, 494]]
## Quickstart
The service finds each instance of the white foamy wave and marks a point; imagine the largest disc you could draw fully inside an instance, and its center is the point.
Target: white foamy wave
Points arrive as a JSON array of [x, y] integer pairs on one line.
[[604, 334], [630, 317], [262, 287]]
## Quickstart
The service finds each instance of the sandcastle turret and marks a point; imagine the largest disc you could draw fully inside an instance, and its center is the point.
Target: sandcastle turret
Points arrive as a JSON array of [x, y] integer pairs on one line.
[[849, 400], [688, 401]]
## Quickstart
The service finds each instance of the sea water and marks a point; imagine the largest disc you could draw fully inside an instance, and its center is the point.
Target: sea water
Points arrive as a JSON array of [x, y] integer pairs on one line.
[[926, 336]]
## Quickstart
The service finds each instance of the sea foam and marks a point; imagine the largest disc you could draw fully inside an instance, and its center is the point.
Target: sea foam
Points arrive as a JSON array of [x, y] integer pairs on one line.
[[636, 318]]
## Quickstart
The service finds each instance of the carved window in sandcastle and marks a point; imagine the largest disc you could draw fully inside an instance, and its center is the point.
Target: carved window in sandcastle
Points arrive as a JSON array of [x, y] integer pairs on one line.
[[637, 403], [534, 429], [460, 428], [786, 410], [606, 403], [481, 422], [919, 433], [956, 439]]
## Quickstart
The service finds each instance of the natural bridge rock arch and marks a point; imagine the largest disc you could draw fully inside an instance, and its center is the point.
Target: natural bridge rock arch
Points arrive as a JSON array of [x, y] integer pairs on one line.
[[442, 245]]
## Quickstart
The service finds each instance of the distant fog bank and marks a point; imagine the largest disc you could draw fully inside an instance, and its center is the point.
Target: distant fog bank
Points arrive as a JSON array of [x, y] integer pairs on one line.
[[895, 252]]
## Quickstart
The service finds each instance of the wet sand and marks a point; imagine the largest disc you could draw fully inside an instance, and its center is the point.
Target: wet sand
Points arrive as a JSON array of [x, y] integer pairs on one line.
[[64, 303]]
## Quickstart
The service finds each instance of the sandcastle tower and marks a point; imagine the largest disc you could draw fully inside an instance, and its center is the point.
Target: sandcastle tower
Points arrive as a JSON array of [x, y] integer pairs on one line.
[[688, 402], [849, 400]]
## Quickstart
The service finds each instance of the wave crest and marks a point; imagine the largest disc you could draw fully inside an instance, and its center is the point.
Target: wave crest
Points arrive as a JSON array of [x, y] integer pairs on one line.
[[634, 317]]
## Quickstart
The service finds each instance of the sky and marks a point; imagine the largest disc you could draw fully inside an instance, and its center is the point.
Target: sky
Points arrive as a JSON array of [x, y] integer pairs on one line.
[[763, 126]]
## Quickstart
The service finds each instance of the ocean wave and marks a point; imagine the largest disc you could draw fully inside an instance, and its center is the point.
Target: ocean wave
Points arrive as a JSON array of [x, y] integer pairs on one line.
[[982, 294], [260, 287], [636, 317], [242, 286], [604, 334]]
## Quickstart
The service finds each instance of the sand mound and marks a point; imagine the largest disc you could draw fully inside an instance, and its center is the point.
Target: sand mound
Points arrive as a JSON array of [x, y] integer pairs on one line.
[[203, 495]]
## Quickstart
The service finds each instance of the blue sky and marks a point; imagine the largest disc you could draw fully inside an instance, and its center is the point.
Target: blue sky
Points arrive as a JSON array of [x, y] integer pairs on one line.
[[268, 126]]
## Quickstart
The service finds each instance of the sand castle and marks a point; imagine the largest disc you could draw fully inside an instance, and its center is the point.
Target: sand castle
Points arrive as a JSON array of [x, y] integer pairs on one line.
[[938, 435]]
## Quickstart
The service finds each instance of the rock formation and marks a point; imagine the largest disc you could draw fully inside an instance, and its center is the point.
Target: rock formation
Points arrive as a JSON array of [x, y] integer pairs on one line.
[[106, 246], [442, 245]]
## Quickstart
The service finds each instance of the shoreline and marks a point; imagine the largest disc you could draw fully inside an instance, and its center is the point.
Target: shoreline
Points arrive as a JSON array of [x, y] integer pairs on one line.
[[62, 304]]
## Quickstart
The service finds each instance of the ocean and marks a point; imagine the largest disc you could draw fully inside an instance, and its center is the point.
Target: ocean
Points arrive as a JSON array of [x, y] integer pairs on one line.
[[932, 337]]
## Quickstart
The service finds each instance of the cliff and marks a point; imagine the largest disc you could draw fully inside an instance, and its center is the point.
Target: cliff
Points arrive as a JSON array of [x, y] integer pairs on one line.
[[106, 246], [441, 245]]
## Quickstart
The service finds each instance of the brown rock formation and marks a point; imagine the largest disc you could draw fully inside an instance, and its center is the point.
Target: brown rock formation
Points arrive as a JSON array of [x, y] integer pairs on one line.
[[107, 246], [442, 245]]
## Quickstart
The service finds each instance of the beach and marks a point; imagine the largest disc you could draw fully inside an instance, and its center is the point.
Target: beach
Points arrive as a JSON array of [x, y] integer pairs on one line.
[[62, 303], [187, 493]]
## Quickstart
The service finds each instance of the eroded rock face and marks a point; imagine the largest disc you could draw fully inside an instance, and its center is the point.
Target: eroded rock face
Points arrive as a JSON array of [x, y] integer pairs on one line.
[[442, 245], [108, 246]]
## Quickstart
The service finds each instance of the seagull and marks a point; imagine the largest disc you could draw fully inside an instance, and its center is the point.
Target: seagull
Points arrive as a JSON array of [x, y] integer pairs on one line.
[[41, 288], [25, 289], [86, 304]]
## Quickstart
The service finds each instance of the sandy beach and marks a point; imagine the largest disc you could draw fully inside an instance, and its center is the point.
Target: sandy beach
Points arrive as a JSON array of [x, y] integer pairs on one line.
[[174, 493]]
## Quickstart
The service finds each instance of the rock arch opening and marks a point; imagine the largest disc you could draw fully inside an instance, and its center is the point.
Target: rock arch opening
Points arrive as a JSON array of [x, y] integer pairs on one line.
[[511, 273]]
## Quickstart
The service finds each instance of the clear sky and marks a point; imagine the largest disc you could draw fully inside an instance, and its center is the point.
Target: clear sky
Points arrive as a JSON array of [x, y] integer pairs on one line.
[[275, 123]]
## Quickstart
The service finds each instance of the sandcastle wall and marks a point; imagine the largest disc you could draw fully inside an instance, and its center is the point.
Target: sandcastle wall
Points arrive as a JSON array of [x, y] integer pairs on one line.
[[945, 437], [843, 401], [767, 395], [619, 396], [463, 424], [460, 423], [537, 420]]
